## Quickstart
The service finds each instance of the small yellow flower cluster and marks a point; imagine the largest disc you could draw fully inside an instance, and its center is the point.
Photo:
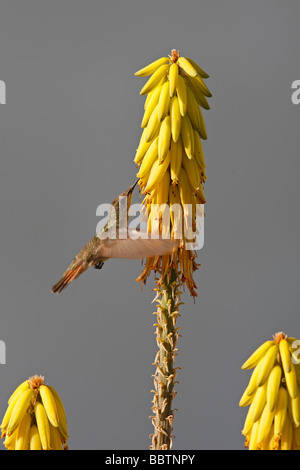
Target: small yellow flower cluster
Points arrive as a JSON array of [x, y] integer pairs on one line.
[[170, 156], [35, 418], [273, 393]]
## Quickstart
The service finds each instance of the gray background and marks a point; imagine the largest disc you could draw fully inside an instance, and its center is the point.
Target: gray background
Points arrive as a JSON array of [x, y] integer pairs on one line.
[[68, 135]]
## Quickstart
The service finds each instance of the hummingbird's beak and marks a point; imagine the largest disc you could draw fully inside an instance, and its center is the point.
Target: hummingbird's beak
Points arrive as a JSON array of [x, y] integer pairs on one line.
[[133, 186]]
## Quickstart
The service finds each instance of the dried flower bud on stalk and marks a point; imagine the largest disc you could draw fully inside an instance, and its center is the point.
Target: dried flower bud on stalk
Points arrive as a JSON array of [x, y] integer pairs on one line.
[[35, 418], [273, 393]]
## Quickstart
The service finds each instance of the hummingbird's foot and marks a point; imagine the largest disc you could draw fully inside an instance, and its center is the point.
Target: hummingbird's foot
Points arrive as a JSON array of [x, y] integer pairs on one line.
[[99, 265]]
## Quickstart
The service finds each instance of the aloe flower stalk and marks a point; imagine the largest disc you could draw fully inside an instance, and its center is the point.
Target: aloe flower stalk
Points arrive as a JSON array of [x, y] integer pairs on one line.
[[171, 172], [273, 396], [35, 418], [168, 302]]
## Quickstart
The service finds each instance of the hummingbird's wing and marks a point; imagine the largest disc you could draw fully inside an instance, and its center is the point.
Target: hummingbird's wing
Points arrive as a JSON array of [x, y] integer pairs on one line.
[[136, 246]]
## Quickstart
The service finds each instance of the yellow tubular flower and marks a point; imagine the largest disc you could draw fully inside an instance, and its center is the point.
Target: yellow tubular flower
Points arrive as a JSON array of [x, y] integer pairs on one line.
[[253, 444], [35, 441], [164, 101], [273, 396], [55, 439], [23, 386], [246, 399], [43, 425], [33, 410], [258, 403], [49, 405], [280, 412], [287, 435], [23, 433], [20, 408], [273, 385], [248, 424], [170, 153]]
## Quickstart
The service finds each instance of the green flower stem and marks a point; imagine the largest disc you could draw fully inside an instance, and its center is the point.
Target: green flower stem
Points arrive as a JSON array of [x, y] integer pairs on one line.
[[168, 296]]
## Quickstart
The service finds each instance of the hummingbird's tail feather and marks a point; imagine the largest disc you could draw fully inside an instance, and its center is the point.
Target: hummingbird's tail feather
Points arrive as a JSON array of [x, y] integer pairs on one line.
[[68, 277]]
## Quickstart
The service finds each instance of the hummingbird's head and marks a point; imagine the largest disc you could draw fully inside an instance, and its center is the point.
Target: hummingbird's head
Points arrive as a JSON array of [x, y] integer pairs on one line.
[[122, 203]]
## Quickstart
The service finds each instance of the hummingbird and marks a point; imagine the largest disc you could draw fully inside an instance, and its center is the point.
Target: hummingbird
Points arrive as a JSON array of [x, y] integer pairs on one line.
[[102, 246]]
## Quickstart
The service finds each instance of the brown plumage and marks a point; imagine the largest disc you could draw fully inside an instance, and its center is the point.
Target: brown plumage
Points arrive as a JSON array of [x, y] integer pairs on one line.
[[68, 277]]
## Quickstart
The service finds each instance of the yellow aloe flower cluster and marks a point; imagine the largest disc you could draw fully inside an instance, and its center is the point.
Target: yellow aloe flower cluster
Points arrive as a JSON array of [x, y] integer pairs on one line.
[[35, 418], [170, 155], [273, 393]]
